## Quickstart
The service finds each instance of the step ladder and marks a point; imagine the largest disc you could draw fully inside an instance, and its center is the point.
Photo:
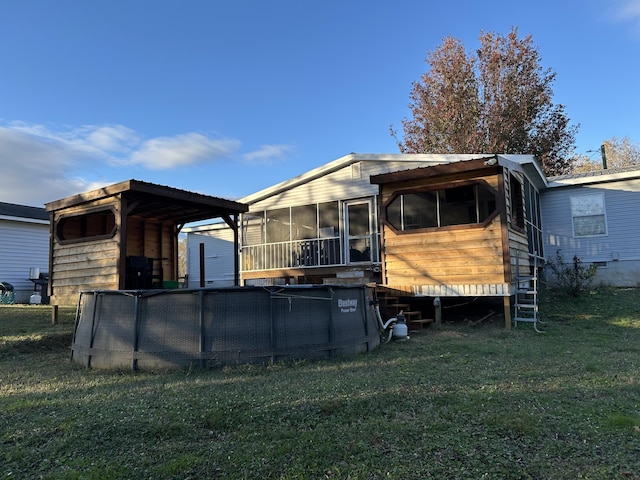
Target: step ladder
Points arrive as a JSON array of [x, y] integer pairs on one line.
[[526, 298]]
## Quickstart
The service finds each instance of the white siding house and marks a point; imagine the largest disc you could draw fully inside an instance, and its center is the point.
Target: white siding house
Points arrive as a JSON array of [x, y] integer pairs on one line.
[[24, 244], [596, 216], [323, 225], [217, 248]]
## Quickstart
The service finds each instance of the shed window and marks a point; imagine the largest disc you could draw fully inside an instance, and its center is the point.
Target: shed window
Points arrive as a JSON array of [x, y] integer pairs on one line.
[[88, 226], [588, 215], [460, 205]]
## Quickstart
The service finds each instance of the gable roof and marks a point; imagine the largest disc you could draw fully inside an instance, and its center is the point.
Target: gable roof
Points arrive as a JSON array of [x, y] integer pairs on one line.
[[12, 211], [418, 159]]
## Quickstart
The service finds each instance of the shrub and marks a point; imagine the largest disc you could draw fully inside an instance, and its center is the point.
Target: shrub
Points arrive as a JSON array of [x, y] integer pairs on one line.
[[573, 277]]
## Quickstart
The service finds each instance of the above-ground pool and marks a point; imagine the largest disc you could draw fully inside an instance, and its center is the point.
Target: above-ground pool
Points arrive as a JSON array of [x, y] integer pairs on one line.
[[152, 329]]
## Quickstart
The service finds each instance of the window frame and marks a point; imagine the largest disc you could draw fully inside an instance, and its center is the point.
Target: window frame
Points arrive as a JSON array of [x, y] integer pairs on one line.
[[82, 216], [517, 203], [441, 187], [603, 214]]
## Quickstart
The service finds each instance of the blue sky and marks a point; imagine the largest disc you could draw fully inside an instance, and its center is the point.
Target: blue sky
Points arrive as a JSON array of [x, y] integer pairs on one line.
[[229, 97]]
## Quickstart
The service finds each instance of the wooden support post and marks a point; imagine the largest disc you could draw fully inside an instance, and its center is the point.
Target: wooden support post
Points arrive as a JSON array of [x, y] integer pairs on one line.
[[507, 313], [54, 314], [438, 310]]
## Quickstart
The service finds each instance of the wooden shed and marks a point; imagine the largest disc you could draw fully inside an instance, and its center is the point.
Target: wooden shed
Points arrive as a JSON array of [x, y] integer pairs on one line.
[[125, 236], [466, 229]]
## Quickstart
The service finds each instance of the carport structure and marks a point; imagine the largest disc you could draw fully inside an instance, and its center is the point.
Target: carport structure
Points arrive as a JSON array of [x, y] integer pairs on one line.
[[125, 236]]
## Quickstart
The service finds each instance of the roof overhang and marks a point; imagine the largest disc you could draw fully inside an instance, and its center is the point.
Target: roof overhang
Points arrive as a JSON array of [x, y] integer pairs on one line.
[[480, 165], [148, 200], [526, 164], [599, 176]]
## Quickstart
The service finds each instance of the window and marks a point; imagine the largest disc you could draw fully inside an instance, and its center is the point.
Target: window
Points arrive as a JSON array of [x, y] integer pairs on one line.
[[517, 206], [304, 222], [459, 205], [278, 225], [96, 225], [253, 229], [298, 236], [588, 215]]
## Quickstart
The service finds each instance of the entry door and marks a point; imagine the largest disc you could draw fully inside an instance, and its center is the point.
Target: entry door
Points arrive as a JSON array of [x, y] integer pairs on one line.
[[358, 217]]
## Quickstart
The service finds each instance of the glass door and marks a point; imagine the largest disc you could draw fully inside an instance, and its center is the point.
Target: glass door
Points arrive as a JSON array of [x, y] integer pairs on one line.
[[358, 218]]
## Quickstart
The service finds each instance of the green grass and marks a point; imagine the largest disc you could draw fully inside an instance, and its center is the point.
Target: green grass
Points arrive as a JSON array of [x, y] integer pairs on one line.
[[458, 401]]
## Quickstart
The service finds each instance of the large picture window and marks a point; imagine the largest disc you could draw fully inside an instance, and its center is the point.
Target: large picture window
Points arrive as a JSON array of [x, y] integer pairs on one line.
[[588, 215], [458, 205]]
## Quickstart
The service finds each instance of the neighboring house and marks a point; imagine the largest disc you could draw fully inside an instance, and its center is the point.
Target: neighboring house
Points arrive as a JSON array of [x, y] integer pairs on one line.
[[595, 216], [24, 245], [217, 246]]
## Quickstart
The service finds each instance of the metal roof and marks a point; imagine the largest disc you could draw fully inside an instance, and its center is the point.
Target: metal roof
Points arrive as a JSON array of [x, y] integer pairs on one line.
[[159, 202], [597, 176], [419, 159]]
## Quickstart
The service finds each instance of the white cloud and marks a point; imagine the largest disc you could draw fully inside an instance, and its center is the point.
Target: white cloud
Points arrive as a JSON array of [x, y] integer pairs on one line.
[[182, 150], [112, 138], [39, 164], [628, 11], [267, 153]]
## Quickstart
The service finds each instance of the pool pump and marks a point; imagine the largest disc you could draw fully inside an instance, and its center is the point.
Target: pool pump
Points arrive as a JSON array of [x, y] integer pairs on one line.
[[395, 328], [400, 331]]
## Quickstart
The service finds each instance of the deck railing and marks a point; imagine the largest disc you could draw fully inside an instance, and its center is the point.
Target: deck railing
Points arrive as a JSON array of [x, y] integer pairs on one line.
[[298, 253]]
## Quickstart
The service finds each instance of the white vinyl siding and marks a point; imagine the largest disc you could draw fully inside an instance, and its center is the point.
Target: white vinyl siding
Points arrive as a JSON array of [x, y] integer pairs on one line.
[[621, 202], [23, 245], [218, 257]]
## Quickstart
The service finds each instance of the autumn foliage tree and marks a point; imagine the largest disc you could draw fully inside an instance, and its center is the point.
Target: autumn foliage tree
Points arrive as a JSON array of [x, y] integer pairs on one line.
[[498, 100], [618, 153]]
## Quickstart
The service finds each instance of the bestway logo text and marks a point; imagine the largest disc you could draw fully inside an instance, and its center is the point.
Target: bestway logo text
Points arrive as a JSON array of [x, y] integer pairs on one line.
[[348, 304]]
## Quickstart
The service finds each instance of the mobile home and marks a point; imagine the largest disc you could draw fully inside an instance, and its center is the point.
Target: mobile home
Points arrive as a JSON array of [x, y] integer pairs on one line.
[[594, 216], [24, 249], [350, 221]]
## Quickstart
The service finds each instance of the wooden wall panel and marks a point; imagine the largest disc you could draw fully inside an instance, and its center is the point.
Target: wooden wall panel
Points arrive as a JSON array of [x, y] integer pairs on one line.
[[460, 256]]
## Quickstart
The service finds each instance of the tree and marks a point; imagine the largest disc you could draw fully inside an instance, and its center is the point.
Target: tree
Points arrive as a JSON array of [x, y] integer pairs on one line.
[[497, 100], [618, 153]]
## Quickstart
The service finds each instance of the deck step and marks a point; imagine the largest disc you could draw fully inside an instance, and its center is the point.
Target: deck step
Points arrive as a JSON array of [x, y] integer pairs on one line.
[[419, 324]]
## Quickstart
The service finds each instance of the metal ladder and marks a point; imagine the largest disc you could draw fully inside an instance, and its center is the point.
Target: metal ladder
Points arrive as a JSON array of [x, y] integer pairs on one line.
[[526, 301]]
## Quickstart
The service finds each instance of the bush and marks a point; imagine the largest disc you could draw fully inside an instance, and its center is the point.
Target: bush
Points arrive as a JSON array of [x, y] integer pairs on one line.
[[573, 277]]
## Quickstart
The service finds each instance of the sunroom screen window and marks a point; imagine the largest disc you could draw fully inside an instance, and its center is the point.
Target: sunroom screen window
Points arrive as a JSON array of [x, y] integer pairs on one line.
[[458, 206], [468, 204]]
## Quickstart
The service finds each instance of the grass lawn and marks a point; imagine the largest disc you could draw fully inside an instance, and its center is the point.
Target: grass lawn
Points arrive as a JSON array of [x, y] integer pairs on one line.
[[454, 402]]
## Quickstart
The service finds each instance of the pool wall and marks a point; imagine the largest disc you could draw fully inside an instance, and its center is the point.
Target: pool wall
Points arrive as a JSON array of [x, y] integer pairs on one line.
[[152, 329]]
